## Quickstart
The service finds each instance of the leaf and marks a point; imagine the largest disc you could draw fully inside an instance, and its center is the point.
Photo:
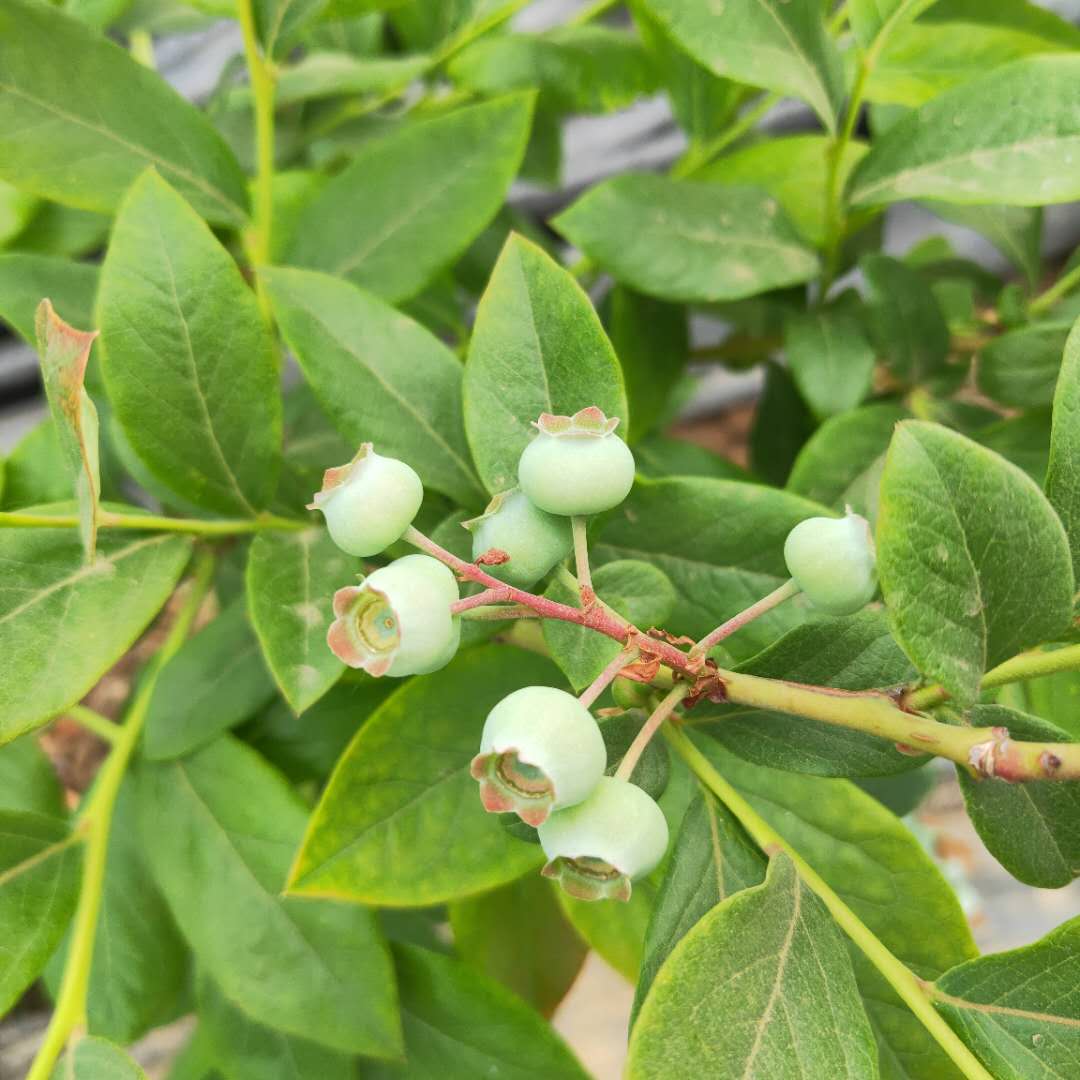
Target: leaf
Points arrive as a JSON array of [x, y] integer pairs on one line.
[[82, 133], [64, 351], [651, 339], [245, 1050], [291, 578], [1063, 472], [309, 968], [870, 17], [973, 561], [381, 377], [636, 590], [64, 231], [658, 457], [761, 986], [415, 199], [25, 279], [278, 23], [830, 359], [40, 867], [53, 637], [460, 1025], [1021, 367], [28, 780], [720, 542], [852, 653], [685, 240], [92, 1058], [1007, 137], [711, 859], [793, 170], [518, 936], [881, 872], [615, 931], [330, 74], [1016, 231], [403, 788], [1030, 828], [782, 46], [537, 346], [906, 322], [782, 424], [1018, 1010], [188, 360], [217, 680]]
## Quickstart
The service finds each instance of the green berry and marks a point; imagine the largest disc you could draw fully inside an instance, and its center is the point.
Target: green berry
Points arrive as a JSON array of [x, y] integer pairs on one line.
[[576, 465], [598, 847], [832, 560], [534, 540], [397, 621], [540, 750], [369, 502]]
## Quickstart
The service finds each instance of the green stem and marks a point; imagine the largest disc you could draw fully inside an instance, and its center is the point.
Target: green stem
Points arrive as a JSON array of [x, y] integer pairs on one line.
[[737, 622], [696, 159], [905, 982], [578, 526], [1056, 291], [94, 722], [156, 523], [1029, 665], [95, 822], [649, 729], [591, 11]]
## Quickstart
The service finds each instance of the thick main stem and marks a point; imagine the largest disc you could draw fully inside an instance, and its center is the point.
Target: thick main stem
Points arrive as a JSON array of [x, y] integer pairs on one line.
[[737, 622], [905, 982], [649, 729], [96, 823]]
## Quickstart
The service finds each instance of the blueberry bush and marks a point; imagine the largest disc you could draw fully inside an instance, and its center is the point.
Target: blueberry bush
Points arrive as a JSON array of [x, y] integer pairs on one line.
[[452, 663]]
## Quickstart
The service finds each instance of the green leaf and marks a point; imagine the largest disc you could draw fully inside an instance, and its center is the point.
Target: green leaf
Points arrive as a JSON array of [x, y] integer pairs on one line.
[[782, 424], [310, 968], [1030, 828], [658, 457], [416, 198], [25, 279], [1008, 137], [64, 352], [711, 859], [869, 17], [460, 1025], [40, 866], [400, 823], [188, 359], [291, 578], [330, 74], [881, 872], [537, 346], [1063, 472], [830, 359], [245, 1050], [1016, 231], [54, 636], [1018, 1010], [278, 23], [92, 1058], [310, 444], [651, 339], [28, 780], [905, 320], [616, 931], [781, 46], [82, 133], [761, 986], [720, 542], [217, 680], [380, 376], [974, 563], [1021, 367], [518, 936], [637, 590], [685, 240], [793, 170], [852, 653], [36, 472]]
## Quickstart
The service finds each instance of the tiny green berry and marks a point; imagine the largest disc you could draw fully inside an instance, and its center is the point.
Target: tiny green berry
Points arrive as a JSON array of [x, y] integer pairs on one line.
[[397, 621], [598, 847], [535, 541], [832, 560], [369, 502], [540, 750], [576, 465]]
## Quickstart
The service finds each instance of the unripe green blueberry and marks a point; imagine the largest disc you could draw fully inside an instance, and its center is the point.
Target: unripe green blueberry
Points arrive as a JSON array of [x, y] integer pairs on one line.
[[630, 694], [535, 541], [598, 847], [397, 621], [540, 750], [576, 465], [832, 560], [369, 502]]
